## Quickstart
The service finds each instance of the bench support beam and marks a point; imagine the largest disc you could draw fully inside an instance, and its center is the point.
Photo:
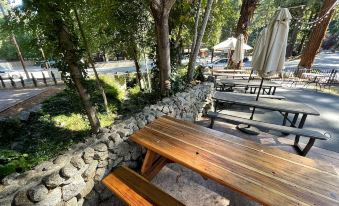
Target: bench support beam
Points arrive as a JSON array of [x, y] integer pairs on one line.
[[152, 164]]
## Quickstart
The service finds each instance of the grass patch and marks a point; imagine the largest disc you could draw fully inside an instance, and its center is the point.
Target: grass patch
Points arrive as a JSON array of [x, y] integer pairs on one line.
[[60, 123]]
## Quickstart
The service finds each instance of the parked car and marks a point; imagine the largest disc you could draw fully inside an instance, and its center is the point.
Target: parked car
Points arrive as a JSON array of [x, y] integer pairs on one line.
[[218, 63], [5, 73]]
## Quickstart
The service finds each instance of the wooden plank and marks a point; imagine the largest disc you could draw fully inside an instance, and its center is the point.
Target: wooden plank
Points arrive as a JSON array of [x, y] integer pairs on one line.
[[270, 104], [264, 125], [136, 190], [155, 168], [257, 159], [218, 136], [249, 83], [255, 184], [150, 158]]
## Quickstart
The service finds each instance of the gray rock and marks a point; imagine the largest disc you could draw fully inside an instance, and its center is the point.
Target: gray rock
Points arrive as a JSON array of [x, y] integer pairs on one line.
[[53, 198], [68, 171], [114, 136], [150, 118], [91, 199], [54, 180], [100, 147], [127, 157], [102, 163], [10, 179], [81, 201], [71, 202], [77, 162], [37, 193], [99, 174], [90, 172], [21, 199], [103, 130], [8, 190], [105, 194], [122, 149], [87, 189], [101, 155], [44, 166], [112, 156], [24, 115], [74, 188], [62, 160], [141, 123], [88, 155]]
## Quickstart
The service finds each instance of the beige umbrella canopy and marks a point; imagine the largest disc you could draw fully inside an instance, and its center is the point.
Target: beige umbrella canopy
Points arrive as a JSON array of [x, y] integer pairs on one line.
[[230, 43], [269, 51], [239, 50]]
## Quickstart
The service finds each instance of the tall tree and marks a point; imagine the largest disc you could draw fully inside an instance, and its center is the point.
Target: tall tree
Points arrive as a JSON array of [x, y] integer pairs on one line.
[[196, 27], [13, 38], [88, 51], [317, 35], [160, 11], [193, 57], [55, 21], [247, 10]]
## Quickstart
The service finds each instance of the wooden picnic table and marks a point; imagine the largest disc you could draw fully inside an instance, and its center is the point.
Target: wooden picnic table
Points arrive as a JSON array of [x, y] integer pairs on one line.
[[271, 86], [233, 76], [282, 106], [267, 175]]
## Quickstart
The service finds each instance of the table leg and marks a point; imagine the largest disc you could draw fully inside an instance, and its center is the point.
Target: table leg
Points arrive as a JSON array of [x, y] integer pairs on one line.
[[294, 121], [269, 91], [274, 88], [285, 118], [152, 164], [297, 138]]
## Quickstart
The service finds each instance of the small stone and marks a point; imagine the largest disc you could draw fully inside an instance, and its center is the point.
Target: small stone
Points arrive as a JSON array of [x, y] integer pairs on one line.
[[114, 136], [21, 199], [88, 155], [77, 162], [141, 124], [10, 179], [87, 189], [44, 166], [112, 156], [103, 163], [122, 149], [124, 132], [54, 180], [100, 173], [92, 199], [90, 172], [100, 147], [81, 202], [127, 157], [101, 155], [71, 202], [62, 160], [150, 118], [37, 193], [53, 198], [103, 130], [75, 187], [68, 171]]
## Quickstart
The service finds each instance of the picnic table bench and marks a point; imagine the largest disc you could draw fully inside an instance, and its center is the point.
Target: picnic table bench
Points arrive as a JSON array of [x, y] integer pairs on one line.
[[135, 190], [267, 175], [267, 87], [313, 135], [284, 107]]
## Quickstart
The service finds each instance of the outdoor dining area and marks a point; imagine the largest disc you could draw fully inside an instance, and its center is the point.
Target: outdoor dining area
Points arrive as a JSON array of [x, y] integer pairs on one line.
[[266, 175]]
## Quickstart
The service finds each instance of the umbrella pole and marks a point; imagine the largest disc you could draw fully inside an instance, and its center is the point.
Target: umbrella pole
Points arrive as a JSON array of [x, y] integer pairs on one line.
[[261, 83]]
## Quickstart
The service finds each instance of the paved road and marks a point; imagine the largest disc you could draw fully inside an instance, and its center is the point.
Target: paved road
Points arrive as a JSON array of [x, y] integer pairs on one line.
[[12, 97]]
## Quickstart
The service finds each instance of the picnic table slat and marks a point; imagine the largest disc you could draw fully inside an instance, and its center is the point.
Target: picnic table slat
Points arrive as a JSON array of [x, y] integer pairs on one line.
[[264, 103], [249, 180]]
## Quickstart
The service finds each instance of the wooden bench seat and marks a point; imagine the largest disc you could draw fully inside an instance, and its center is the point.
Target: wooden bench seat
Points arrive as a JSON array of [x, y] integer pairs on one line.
[[135, 190], [284, 129]]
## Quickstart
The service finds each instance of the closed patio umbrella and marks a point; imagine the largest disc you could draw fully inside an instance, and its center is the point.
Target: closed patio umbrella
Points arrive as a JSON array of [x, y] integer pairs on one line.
[[269, 51]]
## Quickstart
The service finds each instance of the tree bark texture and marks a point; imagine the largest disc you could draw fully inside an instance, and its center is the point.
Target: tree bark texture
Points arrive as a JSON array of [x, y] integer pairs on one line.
[[101, 88], [137, 66], [196, 27], [317, 35], [247, 10], [69, 50], [160, 11], [195, 51]]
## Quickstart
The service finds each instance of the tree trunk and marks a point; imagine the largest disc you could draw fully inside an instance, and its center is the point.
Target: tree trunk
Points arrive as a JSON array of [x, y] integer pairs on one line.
[[69, 51], [82, 32], [20, 55], [44, 57], [160, 12], [15, 44], [137, 65], [306, 34], [193, 57], [247, 10], [195, 37], [317, 35]]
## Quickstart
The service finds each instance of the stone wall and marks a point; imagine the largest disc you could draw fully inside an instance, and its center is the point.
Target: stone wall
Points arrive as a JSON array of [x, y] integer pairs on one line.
[[73, 178]]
